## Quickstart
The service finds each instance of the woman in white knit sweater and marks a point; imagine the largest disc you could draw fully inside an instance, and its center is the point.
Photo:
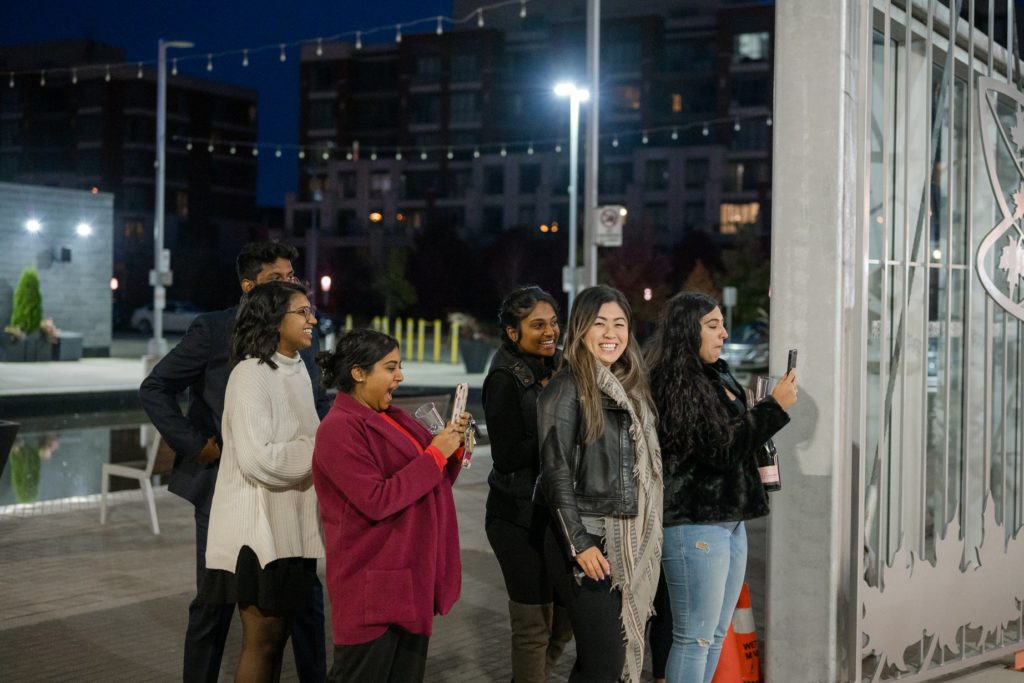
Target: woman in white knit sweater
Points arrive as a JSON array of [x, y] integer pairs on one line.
[[264, 525]]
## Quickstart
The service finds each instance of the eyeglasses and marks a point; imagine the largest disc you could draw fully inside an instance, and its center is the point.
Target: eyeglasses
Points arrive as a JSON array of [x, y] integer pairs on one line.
[[306, 312]]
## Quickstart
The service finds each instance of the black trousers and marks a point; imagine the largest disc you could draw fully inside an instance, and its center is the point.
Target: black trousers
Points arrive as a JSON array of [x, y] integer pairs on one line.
[[395, 657], [596, 614], [208, 627], [520, 553], [660, 629]]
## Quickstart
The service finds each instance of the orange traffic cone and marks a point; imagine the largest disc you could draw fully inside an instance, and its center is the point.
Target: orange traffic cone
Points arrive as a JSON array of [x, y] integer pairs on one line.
[[740, 661]]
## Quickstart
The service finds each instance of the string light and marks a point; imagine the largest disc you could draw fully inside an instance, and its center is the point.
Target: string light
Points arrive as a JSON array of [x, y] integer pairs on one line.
[[768, 122], [189, 146], [644, 139], [480, 18], [106, 77], [529, 150], [42, 79], [232, 150], [74, 76], [359, 40], [138, 73], [522, 9], [398, 155], [326, 155], [348, 156], [398, 33], [736, 126], [423, 155], [245, 58], [451, 154], [174, 66], [440, 25], [284, 55], [255, 151], [10, 83], [558, 149], [209, 62], [209, 148], [615, 142], [504, 152], [277, 152], [302, 153], [704, 131], [675, 134], [319, 47]]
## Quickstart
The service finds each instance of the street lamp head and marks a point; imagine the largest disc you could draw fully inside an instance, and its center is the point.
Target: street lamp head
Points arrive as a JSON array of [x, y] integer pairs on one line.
[[180, 44], [569, 89], [33, 225]]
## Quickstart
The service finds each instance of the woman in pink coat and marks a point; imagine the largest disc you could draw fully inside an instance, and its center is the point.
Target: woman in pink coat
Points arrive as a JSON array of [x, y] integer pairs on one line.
[[391, 536]]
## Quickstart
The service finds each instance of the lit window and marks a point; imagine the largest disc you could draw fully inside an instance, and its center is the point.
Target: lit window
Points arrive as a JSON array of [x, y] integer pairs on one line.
[[750, 47], [677, 103], [733, 216]]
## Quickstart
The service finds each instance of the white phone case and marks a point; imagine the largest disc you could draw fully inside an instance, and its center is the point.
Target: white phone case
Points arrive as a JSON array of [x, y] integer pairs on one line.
[[461, 396]]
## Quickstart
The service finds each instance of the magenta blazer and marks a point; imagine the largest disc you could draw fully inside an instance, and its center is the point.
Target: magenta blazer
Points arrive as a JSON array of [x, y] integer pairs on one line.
[[390, 529]]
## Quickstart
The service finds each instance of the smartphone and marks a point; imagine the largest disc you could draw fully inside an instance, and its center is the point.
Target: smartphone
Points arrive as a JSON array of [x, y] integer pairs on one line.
[[791, 363], [461, 396]]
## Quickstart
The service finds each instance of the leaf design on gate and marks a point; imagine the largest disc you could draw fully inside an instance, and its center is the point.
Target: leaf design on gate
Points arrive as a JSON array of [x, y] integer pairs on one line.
[[1011, 260]]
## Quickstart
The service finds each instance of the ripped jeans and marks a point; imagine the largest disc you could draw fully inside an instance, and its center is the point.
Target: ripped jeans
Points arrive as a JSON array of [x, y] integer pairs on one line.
[[703, 565]]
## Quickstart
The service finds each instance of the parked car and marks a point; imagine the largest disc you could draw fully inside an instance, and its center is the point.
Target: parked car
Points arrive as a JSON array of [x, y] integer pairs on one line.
[[178, 315], [747, 346]]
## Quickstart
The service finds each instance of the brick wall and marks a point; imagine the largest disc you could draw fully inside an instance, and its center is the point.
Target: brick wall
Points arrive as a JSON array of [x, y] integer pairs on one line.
[[76, 294]]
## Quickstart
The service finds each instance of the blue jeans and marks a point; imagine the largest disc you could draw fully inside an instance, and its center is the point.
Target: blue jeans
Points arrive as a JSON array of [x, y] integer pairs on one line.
[[703, 566]]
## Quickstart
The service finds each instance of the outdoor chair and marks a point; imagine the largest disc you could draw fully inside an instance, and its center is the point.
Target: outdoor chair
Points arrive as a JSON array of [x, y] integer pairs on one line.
[[157, 455]]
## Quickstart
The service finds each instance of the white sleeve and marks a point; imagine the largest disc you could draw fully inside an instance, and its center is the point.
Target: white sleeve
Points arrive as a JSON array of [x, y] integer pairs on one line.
[[248, 412]]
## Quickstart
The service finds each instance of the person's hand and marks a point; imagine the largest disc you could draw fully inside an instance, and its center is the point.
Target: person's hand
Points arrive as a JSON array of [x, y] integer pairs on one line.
[[594, 564], [784, 392], [210, 452]]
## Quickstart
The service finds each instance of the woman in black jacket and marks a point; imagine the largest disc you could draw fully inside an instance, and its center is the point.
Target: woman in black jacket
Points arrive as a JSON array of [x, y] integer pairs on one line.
[[601, 478], [514, 524], [709, 437]]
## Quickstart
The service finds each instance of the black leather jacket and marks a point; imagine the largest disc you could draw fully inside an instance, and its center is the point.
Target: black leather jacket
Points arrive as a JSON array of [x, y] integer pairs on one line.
[[510, 407], [594, 478]]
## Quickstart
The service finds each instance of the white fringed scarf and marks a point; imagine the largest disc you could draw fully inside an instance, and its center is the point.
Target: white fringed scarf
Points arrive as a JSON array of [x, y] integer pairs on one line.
[[633, 544]]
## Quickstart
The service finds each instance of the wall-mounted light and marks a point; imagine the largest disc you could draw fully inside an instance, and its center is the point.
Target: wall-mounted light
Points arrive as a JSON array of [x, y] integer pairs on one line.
[[83, 230], [33, 225], [114, 284]]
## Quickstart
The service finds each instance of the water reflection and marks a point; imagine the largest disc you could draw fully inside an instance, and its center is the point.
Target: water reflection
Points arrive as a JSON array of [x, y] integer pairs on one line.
[[60, 456]]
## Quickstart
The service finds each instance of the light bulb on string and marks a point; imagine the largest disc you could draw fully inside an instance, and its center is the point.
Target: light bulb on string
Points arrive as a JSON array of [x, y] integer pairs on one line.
[[232, 150], [398, 33], [319, 47], [209, 148], [348, 156], [10, 82], [106, 76], [74, 77], [558, 149], [277, 152], [522, 9], [476, 152], [255, 151], [704, 130], [373, 155], [480, 18], [245, 57], [138, 72], [398, 155], [736, 126], [42, 79], [529, 149], [675, 134], [451, 154], [504, 152], [423, 155], [645, 139], [768, 122], [302, 154], [209, 61], [440, 25], [326, 155], [359, 40], [188, 145], [284, 55], [174, 66], [615, 142]]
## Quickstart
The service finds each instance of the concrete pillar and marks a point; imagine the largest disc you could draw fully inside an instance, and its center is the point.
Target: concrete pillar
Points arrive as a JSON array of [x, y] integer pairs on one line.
[[822, 61]]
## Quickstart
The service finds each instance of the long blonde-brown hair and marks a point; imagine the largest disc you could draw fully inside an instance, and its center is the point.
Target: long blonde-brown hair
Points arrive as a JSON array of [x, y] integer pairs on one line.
[[629, 369]]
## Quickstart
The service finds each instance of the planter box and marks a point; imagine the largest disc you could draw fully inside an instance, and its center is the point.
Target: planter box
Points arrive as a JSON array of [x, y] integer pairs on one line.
[[37, 348], [475, 354], [12, 350], [68, 346], [8, 430]]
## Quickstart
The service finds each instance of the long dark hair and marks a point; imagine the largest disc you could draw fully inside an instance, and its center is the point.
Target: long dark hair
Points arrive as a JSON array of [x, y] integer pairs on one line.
[[629, 368], [516, 306], [257, 321], [360, 348], [690, 413]]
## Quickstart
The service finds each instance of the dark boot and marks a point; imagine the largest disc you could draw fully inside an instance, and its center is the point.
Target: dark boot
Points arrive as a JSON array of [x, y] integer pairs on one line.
[[530, 632], [561, 633]]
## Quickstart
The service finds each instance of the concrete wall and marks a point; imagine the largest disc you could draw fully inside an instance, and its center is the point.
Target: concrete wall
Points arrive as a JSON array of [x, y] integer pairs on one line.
[[76, 294]]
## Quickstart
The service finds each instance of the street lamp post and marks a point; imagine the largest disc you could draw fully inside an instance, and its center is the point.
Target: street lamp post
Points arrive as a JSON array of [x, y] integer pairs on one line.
[[576, 96], [160, 277]]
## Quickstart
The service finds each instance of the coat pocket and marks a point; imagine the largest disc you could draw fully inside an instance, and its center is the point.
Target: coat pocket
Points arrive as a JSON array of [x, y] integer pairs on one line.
[[388, 597]]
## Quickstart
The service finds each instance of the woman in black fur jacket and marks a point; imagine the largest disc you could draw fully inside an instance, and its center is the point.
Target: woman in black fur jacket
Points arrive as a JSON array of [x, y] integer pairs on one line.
[[709, 437]]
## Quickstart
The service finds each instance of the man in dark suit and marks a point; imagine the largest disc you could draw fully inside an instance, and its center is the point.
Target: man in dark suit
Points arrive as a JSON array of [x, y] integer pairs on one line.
[[199, 363]]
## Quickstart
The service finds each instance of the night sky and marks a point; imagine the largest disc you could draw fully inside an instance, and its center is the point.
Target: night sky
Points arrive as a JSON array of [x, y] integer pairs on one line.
[[215, 27]]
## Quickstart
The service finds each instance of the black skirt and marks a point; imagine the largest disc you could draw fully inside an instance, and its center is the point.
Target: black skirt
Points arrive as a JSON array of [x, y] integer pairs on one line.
[[282, 587]]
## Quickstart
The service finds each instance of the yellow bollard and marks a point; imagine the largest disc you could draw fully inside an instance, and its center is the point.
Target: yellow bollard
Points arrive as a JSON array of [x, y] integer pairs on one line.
[[409, 336], [437, 341], [421, 333], [375, 323], [348, 322], [385, 325], [455, 343]]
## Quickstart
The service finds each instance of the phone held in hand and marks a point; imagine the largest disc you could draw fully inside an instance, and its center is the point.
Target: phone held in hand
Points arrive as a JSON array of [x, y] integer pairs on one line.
[[459, 407], [791, 361]]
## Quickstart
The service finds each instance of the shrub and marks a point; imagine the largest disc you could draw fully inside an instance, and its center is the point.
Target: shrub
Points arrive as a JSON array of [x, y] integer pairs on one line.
[[27, 312]]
